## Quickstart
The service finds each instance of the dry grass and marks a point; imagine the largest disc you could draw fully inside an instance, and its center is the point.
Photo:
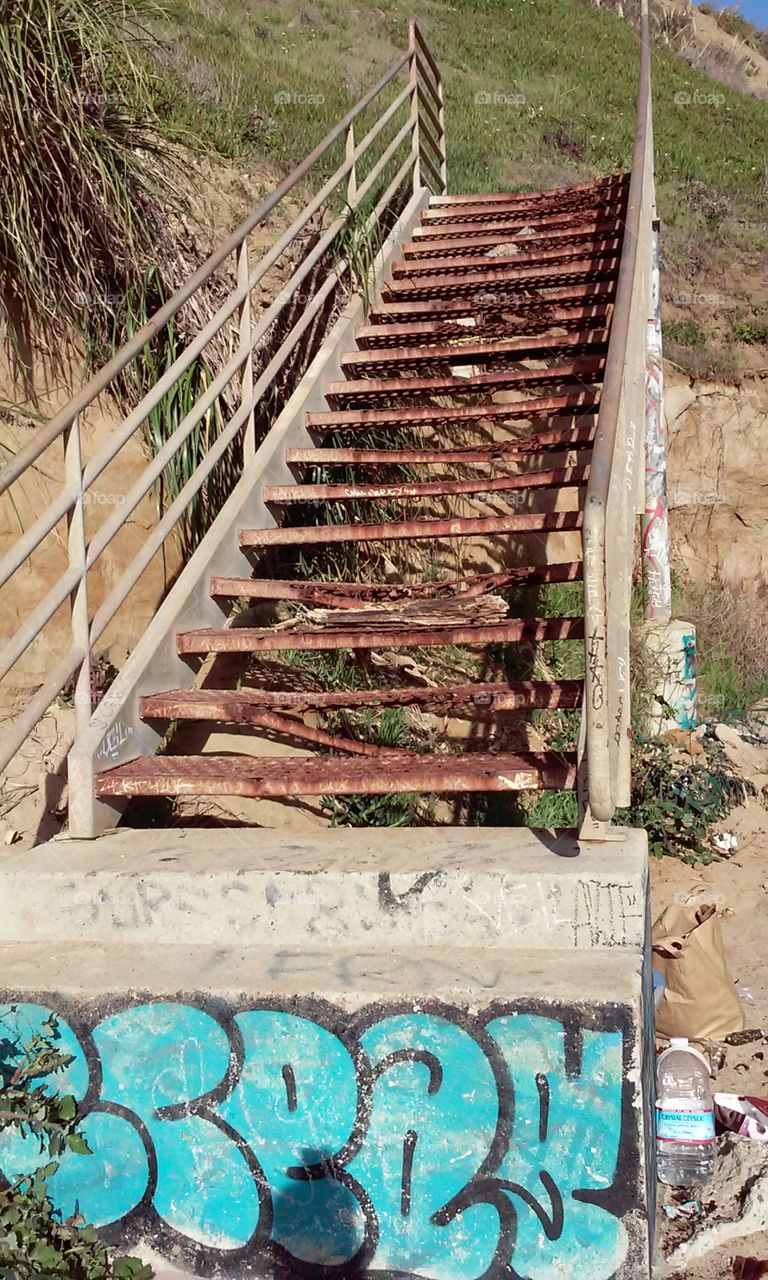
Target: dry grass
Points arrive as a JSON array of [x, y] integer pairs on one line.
[[80, 213], [732, 662]]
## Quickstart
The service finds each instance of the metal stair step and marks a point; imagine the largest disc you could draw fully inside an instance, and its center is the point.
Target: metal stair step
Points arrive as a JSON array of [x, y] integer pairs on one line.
[[526, 346], [527, 235], [271, 640], [600, 266], [582, 401], [236, 705], [563, 477], [509, 223], [408, 530], [553, 195], [457, 264], [269, 776], [465, 328], [528, 299], [348, 595], [365, 389]]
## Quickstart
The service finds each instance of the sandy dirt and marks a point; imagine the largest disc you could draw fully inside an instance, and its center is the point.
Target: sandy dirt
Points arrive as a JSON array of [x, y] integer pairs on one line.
[[739, 886]]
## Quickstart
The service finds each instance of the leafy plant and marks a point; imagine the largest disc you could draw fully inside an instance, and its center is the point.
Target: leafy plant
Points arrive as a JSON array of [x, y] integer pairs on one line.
[[685, 333], [34, 1239], [358, 244], [677, 802], [750, 330], [155, 359]]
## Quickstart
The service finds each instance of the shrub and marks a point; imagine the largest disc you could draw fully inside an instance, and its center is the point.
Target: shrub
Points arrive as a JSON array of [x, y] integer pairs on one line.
[[76, 123], [34, 1239]]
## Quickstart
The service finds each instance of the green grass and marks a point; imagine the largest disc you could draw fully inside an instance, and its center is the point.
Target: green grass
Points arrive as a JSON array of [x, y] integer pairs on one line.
[[574, 67], [685, 333]]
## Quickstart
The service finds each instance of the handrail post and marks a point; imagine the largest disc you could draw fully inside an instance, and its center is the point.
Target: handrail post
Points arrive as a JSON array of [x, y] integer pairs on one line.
[[246, 379], [414, 82], [77, 550]]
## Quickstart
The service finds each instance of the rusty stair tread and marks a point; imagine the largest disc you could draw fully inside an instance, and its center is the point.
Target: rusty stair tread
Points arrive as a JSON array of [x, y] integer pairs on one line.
[[465, 329], [527, 235], [236, 704], [554, 193], [463, 208], [583, 400], [569, 270], [529, 346], [565, 477], [269, 776], [539, 220], [399, 530], [273, 640], [534, 299], [341, 594], [459, 264], [510, 451], [505, 209], [374, 388], [510, 224]]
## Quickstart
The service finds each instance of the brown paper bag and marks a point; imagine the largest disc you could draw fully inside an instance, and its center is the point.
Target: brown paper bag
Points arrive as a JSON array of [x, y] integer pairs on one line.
[[700, 1000]]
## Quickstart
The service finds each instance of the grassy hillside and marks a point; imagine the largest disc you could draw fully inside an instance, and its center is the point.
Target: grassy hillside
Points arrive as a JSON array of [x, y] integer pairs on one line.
[[574, 66], [570, 71]]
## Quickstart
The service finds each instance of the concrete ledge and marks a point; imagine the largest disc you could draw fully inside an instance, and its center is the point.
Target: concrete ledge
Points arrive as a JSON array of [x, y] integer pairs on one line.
[[458, 887], [346, 976]]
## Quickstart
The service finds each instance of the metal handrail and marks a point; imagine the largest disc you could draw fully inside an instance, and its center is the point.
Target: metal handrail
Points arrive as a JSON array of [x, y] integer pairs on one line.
[[84, 553], [602, 672]]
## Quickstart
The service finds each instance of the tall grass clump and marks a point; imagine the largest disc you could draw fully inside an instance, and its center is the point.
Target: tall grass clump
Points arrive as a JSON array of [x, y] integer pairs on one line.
[[77, 138]]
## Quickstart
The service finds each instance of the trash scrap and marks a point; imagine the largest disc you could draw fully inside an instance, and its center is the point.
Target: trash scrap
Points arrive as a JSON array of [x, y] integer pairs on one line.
[[700, 1000], [725, 841], [689, 1209], [743, 1115]]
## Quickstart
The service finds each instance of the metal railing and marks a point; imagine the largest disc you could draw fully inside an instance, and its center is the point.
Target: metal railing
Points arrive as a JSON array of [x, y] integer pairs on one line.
[[402, 150], [615, 489]]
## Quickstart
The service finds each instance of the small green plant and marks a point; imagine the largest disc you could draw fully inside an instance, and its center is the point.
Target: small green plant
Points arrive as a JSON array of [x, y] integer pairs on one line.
[[750, 331], [677, 801], [358, 245], [34, 1238], [685, 333]]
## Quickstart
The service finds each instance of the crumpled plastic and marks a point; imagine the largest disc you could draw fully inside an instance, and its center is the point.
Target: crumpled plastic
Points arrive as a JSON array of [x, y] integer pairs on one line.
[[742, 1114]]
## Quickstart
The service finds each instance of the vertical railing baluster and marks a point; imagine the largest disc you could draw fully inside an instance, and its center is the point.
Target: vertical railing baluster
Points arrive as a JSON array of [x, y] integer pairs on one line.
[[414, 82], [246, 380], [349, 156], [77, 549], [442, 140]]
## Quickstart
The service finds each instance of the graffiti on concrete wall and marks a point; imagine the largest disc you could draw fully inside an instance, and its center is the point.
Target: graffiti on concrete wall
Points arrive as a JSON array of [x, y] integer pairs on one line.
[[301, 1140]]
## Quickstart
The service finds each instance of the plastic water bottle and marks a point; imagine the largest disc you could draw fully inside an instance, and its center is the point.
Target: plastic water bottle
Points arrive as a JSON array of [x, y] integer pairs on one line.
[[685, 1121]]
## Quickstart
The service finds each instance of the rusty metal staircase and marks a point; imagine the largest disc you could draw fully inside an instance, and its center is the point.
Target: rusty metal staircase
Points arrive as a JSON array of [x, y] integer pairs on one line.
[[476, 379]]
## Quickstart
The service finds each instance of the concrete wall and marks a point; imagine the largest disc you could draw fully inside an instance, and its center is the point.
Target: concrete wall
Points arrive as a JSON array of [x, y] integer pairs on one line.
[[309, 1105]]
